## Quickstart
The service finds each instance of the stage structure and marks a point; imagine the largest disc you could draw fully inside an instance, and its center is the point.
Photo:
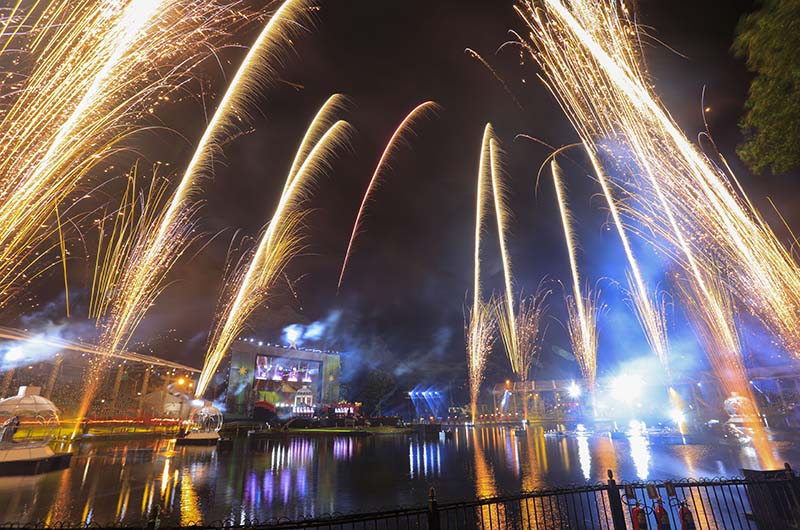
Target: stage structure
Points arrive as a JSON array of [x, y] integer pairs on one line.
[[269, 380]]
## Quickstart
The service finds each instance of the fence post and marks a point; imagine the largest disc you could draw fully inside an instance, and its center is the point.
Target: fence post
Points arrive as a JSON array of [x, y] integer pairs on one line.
[[154, 521], [433, 511], [794, 488], [615, 503]]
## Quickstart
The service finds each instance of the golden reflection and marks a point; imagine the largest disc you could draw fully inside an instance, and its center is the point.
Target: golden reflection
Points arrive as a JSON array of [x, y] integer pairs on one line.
[[640, 449], [59, 506], [147, 487], [584, 455], [190, 503], [688, 462], [165, 477], [534, 463], [605, 454], [563, 448], [485, 485]]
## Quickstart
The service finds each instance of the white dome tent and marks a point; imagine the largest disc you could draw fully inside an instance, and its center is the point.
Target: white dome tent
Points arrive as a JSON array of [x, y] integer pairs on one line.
[[28, 423], [203, 425]]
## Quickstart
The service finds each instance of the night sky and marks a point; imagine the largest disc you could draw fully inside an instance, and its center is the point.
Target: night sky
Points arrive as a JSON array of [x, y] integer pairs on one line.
[[401, 307]]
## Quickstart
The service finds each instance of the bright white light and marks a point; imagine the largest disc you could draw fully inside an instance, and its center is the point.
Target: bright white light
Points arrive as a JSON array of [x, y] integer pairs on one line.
[[677, 416], [197, 403], [637, 427], [574, 391], [627, 388]]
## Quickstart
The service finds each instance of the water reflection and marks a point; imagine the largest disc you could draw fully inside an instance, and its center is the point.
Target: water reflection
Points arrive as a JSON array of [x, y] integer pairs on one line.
[[424, 457], [584, 455], [296, 476], [640, 449]]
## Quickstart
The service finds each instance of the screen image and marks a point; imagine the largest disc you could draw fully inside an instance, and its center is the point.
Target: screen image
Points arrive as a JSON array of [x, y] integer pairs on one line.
[[279, 379]]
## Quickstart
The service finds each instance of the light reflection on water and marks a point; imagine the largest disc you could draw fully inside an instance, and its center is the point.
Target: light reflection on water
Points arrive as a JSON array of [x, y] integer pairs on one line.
[[294, 476]]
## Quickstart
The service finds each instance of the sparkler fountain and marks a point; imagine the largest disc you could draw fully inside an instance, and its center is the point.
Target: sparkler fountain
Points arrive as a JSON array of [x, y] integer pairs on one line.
[[251, 282], [589, 52], [520, 328], [161, 242], [481, 323], [86, 78], [583, 310]]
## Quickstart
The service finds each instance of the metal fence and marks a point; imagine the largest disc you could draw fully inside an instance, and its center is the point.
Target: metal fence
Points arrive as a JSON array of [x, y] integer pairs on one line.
[[759, 501]]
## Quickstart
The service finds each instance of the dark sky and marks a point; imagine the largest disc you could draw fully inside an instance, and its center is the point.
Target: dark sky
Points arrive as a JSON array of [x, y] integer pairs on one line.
[[403, 298]]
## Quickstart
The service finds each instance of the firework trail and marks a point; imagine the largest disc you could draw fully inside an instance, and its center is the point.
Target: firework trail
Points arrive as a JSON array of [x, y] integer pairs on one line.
[[590, 53], [280, 241], [528, 330], [394, 142], [481, 323], [87, 75], [508, 325], [720, 339], [649, 307], [257, 71], [162, 241], [582, 310], [519, 328], [480, 337]]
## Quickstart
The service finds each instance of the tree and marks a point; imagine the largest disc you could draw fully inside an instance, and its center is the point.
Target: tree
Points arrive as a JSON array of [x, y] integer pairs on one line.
[[769, 40], [376, 388]]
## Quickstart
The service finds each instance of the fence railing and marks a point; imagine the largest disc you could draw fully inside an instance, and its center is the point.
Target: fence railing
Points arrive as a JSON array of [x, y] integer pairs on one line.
[[760, 500]]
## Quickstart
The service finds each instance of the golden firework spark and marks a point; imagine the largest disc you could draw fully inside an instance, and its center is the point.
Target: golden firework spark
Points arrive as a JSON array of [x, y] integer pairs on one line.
[[162, 240], [87, 76], [480, 337], [519, 328], [528, 330], [720, 339], [583, 310], [590, 54], [481, 323], [649, 307], [252, 281], [508, 324], [394, 142]]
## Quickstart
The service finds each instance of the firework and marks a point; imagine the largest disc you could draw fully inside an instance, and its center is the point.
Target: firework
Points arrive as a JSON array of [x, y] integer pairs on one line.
[[144, 256], [649, 307], [252, 280], [582, 310], [528, 331], [481, 322], [394, 142], [508, 324], [716, 327], [480, 337], [589, 52], [691, 208], [87, 77]]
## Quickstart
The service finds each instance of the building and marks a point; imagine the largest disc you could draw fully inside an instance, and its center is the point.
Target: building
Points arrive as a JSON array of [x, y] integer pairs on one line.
[[267, 379]]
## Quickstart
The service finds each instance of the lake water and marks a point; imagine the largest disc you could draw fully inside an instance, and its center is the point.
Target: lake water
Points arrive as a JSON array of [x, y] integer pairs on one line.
[[312, 476]]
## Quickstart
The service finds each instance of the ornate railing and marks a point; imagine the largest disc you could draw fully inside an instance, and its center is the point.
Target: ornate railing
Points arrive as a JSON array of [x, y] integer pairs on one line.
[[758, 501]]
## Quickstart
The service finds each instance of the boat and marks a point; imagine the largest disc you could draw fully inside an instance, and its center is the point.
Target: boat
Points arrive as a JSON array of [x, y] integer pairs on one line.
[[20, 458], [556, 434], [204, 425], [24, 450], [199, 438]]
